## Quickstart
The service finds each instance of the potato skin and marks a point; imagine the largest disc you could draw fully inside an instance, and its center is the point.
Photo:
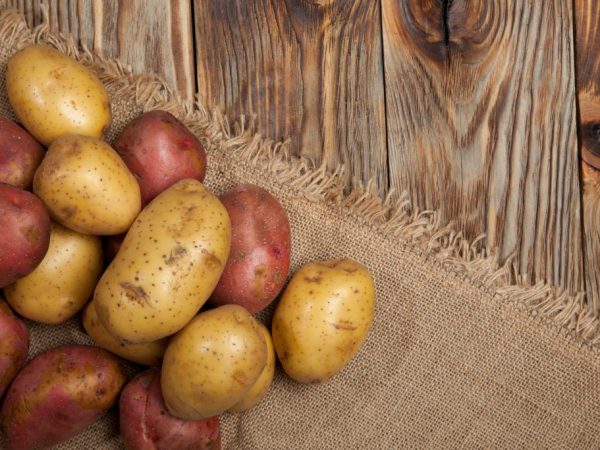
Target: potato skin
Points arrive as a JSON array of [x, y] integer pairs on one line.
[[259, 260], [25, 236], [159, 150], [52, 95], [212, 363], [260, 388], [58, 394], [14, 345], [167, 266], [80, 179], [20, 154], [63, 281], [323, 318], [146, 424], [148, 354]]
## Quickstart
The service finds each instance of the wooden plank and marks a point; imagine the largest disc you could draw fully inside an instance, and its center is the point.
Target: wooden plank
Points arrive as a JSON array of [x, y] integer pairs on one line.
[[481, 124], [308, 70], [150, 35], [591, 234], [587, 37]]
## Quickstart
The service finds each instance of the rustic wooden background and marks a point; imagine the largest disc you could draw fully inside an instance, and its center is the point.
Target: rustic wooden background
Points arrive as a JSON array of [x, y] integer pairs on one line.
[[587, 40], [468, 106]]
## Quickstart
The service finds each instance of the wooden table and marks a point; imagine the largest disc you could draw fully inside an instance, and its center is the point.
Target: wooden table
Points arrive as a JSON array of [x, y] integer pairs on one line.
[[468, 106]]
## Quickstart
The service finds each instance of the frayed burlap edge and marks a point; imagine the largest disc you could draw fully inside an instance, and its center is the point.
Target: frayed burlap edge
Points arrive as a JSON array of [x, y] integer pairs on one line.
[[420, 232]]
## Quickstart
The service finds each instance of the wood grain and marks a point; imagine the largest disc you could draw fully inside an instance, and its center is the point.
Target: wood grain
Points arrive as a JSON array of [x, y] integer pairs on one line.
[[587, 39], [150, 35], [481, 124], [591, 230], [307, 70], [451, 100]]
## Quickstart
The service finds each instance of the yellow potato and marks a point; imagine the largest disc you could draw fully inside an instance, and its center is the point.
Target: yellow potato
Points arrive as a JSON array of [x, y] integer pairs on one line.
[[149, 354], [168, 264], [323, 319], [52, 95], [63, 282], [212, 363], [87, 187], [261, 386]]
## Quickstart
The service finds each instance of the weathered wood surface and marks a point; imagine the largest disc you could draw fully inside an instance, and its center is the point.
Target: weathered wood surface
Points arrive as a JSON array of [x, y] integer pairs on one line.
[[481, 124], [149, 35], [451, 100], [587, 17], [308, 70], [591, 230], [587, 27]]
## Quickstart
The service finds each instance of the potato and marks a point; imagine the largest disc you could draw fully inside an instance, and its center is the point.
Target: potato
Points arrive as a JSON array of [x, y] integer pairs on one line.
[[52, 95], [259, 259], [146, 424], [212, 363], [87, 186], [159, 150], [167, 266], [20, 154], [261, 386], [111, 245], [323, 319], [25, 236], [148, 354], [14, 345], [58, 394], [63, 282]]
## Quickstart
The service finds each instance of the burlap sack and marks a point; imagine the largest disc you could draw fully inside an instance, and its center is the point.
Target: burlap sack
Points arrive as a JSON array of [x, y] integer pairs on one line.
[[459, 354]]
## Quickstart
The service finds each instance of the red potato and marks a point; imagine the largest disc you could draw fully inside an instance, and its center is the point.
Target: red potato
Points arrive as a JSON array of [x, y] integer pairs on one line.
[[147, 425], [14, 345], [159, 150], [20, 154], [25, 225], [111, 245], [58, 394], [259, 259]]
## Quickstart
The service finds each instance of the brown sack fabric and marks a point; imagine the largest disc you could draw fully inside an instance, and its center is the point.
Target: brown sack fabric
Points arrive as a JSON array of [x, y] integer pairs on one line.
[[459, 354]]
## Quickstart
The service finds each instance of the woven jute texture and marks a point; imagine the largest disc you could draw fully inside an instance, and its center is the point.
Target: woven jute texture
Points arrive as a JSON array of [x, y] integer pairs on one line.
[[460, 354]]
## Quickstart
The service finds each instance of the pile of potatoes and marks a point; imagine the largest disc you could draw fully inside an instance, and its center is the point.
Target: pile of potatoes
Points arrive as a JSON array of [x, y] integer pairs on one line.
[[163, 272]]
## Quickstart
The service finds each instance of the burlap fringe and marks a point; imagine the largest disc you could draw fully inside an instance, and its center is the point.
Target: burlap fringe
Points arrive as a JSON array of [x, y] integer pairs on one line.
[[420, 232]]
